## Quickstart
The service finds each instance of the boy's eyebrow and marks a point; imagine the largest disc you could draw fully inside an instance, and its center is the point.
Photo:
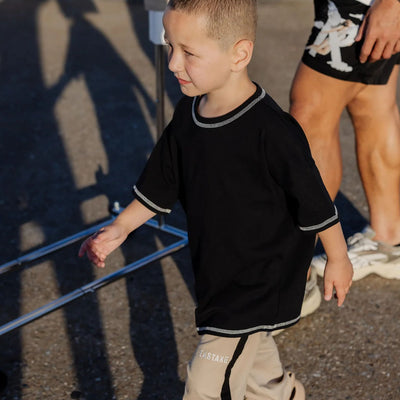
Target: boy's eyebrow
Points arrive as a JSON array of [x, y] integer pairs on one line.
[[184, 46]]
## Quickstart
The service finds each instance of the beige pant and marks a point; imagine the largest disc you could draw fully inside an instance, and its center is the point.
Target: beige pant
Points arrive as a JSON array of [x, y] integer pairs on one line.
[[237, 368]]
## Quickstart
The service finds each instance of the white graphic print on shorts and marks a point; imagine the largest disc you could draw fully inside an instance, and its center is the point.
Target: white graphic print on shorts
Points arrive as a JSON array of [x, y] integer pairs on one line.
[[334, 34]]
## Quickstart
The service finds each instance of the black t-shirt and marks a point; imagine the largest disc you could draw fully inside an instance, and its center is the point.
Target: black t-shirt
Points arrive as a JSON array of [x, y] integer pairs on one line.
[[254, 200]]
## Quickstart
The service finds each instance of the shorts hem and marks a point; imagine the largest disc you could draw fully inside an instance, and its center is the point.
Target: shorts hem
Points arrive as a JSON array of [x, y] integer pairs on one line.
[[342, 76]]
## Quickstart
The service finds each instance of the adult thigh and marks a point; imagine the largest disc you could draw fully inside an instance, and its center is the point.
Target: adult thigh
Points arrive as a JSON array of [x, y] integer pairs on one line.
[[317, 102]]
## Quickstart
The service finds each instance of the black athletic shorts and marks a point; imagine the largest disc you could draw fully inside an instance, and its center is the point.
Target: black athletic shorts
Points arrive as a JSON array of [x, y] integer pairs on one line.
[[331, 48]]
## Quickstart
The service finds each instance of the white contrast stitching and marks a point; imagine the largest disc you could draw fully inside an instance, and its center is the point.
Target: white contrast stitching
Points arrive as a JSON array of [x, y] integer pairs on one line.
[[150, 203]]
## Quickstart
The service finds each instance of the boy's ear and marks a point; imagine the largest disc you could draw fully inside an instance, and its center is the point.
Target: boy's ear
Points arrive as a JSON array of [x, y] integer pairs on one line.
[[242, 53]]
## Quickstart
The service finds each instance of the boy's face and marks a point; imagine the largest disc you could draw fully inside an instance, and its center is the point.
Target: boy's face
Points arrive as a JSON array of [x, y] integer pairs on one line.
[[199, 62]]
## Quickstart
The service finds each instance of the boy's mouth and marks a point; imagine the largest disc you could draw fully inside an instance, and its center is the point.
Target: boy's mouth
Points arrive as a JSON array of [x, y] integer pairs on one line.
[[182, 81]]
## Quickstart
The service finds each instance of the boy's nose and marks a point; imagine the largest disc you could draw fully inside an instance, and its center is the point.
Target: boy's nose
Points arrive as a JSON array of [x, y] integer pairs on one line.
[[174, 63]]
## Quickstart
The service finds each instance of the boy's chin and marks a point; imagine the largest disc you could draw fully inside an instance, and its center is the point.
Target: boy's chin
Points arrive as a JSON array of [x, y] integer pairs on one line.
[[190, 92]]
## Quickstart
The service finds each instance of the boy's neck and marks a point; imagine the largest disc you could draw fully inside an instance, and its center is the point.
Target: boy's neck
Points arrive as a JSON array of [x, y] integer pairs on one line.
[[221, 102]]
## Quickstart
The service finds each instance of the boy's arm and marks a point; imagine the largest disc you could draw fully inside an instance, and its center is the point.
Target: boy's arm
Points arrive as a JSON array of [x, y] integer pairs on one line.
[[338, 270], [98, 246]]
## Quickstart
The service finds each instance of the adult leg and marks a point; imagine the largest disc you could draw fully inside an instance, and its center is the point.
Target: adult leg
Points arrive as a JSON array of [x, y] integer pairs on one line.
[[376, 121], [371, 107], [317, 102]]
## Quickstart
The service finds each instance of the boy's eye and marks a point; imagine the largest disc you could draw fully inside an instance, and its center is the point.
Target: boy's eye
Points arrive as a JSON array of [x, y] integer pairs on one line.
[[188, 53]]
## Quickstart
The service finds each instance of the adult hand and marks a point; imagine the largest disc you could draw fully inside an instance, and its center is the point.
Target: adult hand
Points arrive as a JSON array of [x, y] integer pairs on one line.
[[380, 30]]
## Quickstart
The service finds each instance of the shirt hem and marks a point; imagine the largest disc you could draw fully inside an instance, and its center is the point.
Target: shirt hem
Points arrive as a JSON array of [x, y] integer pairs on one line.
[[201, 330]]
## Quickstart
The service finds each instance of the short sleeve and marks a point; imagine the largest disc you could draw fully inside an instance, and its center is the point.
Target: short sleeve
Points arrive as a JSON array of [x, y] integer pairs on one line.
[[158, 186], [293, 168]]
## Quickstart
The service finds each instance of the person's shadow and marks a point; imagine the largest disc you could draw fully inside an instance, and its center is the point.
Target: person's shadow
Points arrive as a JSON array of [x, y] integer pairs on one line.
[[45, 177], [113, 88]]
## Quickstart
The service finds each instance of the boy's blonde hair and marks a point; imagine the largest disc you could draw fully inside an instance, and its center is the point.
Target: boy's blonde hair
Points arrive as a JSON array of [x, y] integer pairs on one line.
[[227, 20]]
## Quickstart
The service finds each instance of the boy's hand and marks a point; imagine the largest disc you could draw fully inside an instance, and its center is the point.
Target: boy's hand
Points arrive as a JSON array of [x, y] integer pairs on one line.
[[98, 246], [338, 275]]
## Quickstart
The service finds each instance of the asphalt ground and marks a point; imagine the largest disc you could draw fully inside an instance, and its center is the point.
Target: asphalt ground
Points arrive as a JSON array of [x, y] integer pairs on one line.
[[77, 122]]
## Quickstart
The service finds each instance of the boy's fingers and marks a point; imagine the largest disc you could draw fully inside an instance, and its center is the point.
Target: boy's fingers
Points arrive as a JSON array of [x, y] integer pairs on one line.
[[82, 249], [86, 247], [95, 259], [341, 295], [95, 247], [328, 290], [101, 256], [90, 255], [101, 234]]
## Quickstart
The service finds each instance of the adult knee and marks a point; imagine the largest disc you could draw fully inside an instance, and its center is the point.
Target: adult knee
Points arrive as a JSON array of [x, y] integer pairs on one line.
[[319, 121], [371, 111], [303, 110], [322, 132]]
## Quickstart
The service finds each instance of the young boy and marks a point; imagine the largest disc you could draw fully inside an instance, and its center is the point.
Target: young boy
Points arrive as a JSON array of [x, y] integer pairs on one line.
[[254, 200]]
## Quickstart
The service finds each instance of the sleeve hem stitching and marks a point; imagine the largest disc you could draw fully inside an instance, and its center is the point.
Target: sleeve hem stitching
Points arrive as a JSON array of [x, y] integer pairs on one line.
[[150, 203]]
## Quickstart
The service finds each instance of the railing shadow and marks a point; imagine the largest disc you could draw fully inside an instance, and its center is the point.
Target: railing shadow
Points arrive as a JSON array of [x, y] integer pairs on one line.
[[41, 189]]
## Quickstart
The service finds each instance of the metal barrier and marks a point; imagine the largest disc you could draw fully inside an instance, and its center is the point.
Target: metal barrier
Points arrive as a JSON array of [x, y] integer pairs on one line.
[[160, 225], [95, 285], [34, 255]]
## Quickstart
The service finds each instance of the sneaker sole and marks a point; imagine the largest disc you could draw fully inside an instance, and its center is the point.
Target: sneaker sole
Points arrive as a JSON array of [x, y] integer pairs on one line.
[[318, 266], [387, 271], [312, 302]]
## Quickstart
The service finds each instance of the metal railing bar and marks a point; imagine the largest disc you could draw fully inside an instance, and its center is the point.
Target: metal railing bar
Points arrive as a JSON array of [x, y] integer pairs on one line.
[[51, 248], [43, 251], [95, 285]]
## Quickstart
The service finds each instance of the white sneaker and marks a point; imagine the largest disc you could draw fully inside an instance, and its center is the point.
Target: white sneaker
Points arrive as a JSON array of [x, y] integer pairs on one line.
[[367, 256], [312, 295]]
